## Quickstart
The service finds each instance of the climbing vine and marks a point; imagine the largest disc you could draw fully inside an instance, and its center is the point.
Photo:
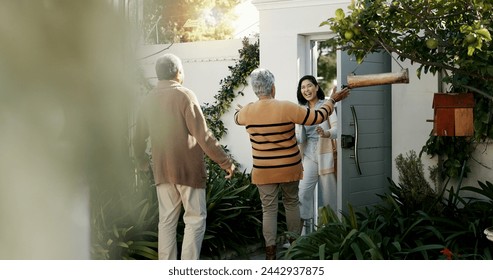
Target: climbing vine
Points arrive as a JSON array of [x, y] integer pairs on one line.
[[231, 87]]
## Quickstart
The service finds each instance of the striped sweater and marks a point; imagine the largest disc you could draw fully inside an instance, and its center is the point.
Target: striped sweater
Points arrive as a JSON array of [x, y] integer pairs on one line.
[[271, 126]]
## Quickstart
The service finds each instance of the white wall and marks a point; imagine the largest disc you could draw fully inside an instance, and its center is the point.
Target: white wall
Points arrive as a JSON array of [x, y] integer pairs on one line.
[[411, 108], [283, 25]]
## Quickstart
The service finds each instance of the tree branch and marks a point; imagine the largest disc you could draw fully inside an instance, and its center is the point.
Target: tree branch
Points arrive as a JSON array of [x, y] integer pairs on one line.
[[478, 91]]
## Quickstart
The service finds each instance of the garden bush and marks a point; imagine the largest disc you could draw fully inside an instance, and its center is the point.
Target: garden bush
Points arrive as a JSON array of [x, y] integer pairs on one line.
[[412, 222], [125, 226]]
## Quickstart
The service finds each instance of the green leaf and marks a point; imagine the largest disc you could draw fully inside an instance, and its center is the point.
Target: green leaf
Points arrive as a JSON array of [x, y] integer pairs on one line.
[[357, 251], [145, 243], [115, 231], [427, 248], [340, 14], [321, 252], [146, 255], [122, 244], [485, 33], [145, 249]]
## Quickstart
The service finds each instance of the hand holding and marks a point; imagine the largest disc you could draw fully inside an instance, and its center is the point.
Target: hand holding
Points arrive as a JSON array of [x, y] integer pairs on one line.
[[230, 171], [339, 95], [322, 133]]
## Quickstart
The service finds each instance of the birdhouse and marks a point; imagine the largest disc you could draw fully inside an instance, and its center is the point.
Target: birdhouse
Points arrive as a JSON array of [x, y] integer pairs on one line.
[[453, 114]]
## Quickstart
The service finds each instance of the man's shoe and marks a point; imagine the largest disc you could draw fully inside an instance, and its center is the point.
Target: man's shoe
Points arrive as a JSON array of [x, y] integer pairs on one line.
[[270, 252]]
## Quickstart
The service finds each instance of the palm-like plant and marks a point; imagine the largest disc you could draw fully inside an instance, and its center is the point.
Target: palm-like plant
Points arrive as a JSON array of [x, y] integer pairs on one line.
[[444, 225], [124, 221], [233, 214]]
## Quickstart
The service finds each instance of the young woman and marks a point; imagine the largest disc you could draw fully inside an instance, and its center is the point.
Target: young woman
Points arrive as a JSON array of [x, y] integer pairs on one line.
[[318, 160]]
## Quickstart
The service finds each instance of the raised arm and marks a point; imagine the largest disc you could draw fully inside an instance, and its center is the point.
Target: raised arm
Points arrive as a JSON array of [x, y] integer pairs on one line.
[[306, 116]]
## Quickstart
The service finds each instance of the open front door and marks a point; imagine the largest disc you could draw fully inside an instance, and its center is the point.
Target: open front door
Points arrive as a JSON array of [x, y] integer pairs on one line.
[[364, 152]]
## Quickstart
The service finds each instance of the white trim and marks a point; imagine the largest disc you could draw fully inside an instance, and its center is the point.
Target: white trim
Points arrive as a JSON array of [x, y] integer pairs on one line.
[[309, 61], [280, 4], [209, 59]]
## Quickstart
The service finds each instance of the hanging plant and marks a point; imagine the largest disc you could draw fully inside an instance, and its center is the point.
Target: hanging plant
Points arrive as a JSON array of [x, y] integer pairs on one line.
[[249, 60]]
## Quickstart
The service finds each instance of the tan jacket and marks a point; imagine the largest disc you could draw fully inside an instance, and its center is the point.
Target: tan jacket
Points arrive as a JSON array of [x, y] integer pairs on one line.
[[172, 117]]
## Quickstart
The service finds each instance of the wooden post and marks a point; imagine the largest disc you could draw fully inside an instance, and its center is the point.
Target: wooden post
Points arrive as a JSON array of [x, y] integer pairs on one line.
[[355, 81]]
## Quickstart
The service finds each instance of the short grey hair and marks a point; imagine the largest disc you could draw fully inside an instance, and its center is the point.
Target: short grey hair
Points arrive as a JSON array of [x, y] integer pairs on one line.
[[262, 81], [167, 66]]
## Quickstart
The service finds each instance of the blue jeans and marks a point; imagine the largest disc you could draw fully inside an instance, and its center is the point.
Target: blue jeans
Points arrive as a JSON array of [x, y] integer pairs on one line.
[[327, 189]]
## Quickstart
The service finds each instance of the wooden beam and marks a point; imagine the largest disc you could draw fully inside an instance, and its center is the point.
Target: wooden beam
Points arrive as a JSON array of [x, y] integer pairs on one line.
[[355, 81]]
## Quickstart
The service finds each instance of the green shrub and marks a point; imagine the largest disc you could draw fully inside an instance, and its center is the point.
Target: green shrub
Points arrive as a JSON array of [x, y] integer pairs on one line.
[[124, 223], [234, 214], [411, 222]]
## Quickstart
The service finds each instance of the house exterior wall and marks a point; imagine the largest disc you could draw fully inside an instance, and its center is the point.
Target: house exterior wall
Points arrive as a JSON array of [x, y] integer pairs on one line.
[[284, 23], [411, 108], [283, 28]]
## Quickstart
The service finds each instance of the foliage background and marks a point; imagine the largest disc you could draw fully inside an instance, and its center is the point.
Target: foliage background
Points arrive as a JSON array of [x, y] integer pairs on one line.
[[412, 222], [174, 21]]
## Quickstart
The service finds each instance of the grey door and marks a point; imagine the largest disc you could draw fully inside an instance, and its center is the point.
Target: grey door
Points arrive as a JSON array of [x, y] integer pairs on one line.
[[365, 120]]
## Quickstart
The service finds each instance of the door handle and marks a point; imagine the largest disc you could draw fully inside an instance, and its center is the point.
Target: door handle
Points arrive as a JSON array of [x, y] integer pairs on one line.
[[356, 139]]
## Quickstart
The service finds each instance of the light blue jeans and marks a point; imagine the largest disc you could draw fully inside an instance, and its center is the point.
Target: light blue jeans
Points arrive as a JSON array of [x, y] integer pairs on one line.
[[171, 197], [327, 189], [269, 196]]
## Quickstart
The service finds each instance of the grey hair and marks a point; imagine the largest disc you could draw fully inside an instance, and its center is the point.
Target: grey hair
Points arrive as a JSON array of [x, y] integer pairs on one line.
[[167, 66], [262, 81]]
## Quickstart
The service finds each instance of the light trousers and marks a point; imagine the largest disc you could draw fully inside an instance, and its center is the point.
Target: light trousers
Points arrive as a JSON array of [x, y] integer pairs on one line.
[[327, 189], [269, 195], [171, 198]]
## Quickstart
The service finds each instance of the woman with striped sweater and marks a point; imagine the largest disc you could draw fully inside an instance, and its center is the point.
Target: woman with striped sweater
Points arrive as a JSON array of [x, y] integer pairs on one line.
[[276, 158]]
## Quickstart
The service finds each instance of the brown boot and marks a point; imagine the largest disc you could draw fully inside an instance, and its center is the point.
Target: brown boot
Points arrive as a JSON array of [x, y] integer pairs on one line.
[[291, 240], [270, 252]]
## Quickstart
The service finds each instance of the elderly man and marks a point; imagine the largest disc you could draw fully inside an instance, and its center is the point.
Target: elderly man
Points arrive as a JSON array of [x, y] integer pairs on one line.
[[276, 158], [172, 117]]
